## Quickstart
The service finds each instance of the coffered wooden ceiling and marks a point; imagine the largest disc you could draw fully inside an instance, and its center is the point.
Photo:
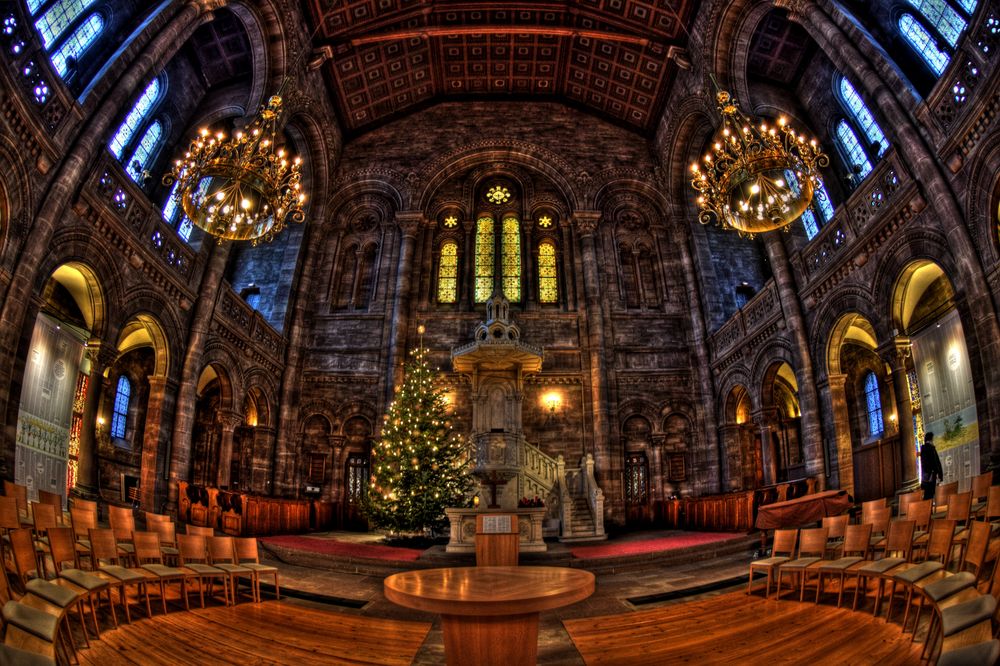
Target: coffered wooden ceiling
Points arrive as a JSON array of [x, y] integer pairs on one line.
[[391, 57]]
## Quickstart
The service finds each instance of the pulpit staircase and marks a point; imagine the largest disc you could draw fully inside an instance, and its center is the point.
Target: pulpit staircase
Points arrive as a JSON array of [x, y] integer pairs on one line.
[[580, 500]]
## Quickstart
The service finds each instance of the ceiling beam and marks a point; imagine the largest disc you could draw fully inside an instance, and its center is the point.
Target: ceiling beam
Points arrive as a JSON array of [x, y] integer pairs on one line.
[[428, 32]]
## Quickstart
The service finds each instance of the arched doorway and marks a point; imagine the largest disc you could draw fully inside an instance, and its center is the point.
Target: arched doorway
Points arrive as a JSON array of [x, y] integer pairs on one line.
[[783, 450], [214, 395], [55, 381], [637, 432], [357, 470], [744, 461], [943, 398]]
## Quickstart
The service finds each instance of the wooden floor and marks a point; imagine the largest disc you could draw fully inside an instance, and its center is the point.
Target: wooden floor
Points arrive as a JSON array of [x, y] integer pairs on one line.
[[272, 632], [737, 629]]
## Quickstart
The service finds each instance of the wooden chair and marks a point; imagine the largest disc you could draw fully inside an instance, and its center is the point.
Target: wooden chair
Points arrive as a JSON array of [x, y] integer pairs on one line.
[[941, 495], [222, 554], [123, 525], [168, 539], [44, 517], [82, 520], [981, 484], [974, 556], [856, 546], [812, 548], [25, 559], [937, 554], [960, 510], [781, 551], [152, 518], [32, 630], [18, 492], [920, 513], [150, 559], [193, 554], [10, 520], [993, 504], [836, 527], [200, 531], [899, 541], [906, 498], [868, 507], [54, 500], [247, 555], [105, 549], [62, 545], [86, 505], [880, 519]]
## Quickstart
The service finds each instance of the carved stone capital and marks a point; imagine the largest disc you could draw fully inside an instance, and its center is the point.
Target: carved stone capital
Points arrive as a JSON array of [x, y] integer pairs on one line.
[[230, 419], [586, 221], [101, 354], [409, 223], [896, 353]]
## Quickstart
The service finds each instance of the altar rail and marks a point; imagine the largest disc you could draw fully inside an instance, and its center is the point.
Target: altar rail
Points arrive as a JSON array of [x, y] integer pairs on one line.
[[241, 514], [730, 512]]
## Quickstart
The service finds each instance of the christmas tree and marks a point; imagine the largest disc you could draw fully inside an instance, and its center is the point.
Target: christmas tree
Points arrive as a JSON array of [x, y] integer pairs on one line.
[[419, 466]]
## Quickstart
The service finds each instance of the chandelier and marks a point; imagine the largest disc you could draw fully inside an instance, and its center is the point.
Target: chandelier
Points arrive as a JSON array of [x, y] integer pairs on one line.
[[241, 187], [756, 178]]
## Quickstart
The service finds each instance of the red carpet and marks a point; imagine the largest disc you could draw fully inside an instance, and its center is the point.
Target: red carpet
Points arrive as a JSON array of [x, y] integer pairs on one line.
[[343, 548], [621, 548]]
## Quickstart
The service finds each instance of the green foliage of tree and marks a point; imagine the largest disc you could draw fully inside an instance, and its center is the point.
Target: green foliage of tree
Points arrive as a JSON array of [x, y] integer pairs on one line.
[[419, 466]]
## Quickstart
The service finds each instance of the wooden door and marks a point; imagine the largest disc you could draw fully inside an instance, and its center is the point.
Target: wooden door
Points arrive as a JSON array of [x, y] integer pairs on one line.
[[356, 479], [636, 489]]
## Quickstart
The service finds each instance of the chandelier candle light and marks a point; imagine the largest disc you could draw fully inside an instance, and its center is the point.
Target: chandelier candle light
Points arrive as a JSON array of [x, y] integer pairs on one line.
[[756, 178], [240, 188]]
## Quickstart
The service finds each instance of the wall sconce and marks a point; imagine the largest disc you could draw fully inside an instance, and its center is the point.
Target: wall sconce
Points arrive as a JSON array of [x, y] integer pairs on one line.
[[552, 401], [100, 421]]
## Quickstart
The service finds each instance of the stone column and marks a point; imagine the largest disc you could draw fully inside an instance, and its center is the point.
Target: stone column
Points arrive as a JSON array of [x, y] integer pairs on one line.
[[409, 225], [74, 168], [529, 293], [260, 475], [160, 407], [566, 271], [201, 319], [586, 225], [812, 432], [101, 357], [229, 420], [731, 469], [896, 355], [466, 288], [854, 53], [836, 387], [763, 420]]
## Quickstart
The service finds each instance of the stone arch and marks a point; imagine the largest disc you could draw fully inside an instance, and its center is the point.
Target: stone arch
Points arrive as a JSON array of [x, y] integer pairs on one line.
[[687, 135], [919, 244], [848, 300], [227, 370], [983, 200], [317, 407], [777, 351], [99, 271], [265, 35], [639, 407], [144, 330], [15, 199]]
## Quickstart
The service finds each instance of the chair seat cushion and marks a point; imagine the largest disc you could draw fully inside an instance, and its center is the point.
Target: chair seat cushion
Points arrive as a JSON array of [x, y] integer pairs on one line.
[[966, 614], [977, 507], [126, 547], [233, 568], [881, 566], [915, 573], [944, 588], [259, 568], [204, 569], [169, 550], [842, 564], [83, 542], [800, 563], [81, 578], [12, 656], [123, 574], [163, 571], [57, 595], [986, 652], [770, 561], [32, 620]]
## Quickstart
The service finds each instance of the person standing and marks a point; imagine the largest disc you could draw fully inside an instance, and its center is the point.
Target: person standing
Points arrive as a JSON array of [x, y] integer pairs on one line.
[[930, 466]]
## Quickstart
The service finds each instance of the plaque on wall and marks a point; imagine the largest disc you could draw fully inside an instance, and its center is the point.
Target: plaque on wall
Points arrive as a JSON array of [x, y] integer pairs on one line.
[[676, 471]]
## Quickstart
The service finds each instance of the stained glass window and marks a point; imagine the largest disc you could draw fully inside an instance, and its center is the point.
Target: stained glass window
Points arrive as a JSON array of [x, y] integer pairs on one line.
[[135, 118], [120, 412], [498, 194], [874, 404], [862, 115], [448, 273], [33, 6], [511, 256], [548, 291], [821, 199], [942, 16], [77, 43], [969, 6], [921, 40], [60, 16], [809, 224], [144, 151], [484, 258], [852, 148], [636, 479]]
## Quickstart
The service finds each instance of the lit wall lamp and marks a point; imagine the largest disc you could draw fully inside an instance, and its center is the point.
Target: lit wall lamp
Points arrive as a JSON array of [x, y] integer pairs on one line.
[[552, 401]]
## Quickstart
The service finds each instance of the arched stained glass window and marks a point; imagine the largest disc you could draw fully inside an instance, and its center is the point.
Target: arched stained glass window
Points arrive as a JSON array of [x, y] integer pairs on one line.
[[853, 151], [511, 258], [862, 115], [484, 258], [448, 273], [119, 415], [77, 43], [548, 289], [873, 401], [969, 6], [923, 43], [821, 199], [943, 17], [33, 6], [143, 154], [135, 118], [58, 18], [809, 224]]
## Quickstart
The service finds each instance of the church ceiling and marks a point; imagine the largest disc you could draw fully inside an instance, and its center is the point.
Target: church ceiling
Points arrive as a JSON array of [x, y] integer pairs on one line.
[[391, 57], [780, 49]]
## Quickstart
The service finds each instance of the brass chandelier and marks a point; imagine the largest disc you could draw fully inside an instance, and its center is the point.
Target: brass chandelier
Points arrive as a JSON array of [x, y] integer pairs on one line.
[[756, 178], [241, 187]]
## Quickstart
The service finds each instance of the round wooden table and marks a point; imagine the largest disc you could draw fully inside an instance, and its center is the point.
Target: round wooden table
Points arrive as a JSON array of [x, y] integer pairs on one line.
[[489, 614]]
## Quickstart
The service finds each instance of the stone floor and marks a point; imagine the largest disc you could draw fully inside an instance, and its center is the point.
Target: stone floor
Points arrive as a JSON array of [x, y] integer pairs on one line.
[[317, 585]]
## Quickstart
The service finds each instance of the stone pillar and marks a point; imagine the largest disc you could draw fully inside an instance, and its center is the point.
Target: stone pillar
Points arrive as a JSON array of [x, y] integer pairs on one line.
[[763, 420], [731, 470], [529, 293], [409, 225], [74, 168], [201, 319], [160, 407], [260, 475], [566, 271], [836, 388], [586, 225], [854, 53], [895, 355], [101, 357], [229, 420], [812, 432]]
